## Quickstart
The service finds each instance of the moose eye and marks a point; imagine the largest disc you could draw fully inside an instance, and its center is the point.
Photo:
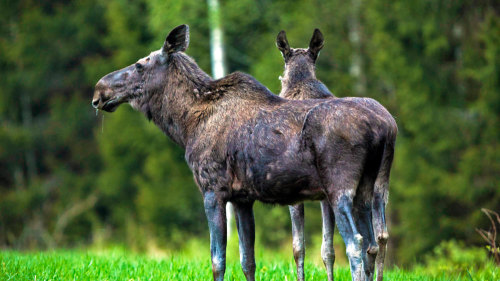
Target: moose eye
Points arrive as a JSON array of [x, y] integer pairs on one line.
[[139, 67]]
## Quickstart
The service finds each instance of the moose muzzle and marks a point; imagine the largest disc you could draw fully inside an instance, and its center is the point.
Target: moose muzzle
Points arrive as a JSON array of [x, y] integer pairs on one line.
[[104, 97], [101, 94]]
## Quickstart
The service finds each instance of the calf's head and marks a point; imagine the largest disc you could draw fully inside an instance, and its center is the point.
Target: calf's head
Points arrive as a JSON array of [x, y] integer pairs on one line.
[[298, 58], [141, 78]]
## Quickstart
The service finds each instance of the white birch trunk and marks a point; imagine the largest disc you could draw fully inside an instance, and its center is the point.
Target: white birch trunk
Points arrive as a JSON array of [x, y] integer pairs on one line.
[[218, 69], [355, 34]]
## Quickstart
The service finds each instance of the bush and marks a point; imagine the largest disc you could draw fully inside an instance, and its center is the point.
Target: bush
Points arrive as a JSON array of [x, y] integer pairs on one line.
[[454, 258]]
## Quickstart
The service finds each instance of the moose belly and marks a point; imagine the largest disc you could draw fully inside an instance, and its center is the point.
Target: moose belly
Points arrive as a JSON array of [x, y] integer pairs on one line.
[[289, 193], [272, 165], [286, 185]]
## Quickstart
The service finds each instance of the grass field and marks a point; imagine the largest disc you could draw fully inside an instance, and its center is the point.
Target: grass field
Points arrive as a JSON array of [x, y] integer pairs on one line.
[[80, 265]]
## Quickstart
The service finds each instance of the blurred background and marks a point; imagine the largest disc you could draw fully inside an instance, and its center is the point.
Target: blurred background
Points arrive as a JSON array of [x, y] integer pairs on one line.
[[71, 179]]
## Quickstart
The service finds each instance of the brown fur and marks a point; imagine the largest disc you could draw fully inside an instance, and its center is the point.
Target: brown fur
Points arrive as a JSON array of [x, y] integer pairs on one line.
[[299, 82], [243, 143]]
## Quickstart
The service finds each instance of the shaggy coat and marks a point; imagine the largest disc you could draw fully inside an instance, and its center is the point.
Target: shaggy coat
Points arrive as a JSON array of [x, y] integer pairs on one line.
[[299, 82], [243, 143]]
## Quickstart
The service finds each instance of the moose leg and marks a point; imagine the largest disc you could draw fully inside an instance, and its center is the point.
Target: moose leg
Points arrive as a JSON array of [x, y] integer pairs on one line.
[[343, 209], [327, 250], [381, 233], [363, 216], [370, 249], [380, 198], [299, 248], [215, 209], [340, 174], [246, 233]]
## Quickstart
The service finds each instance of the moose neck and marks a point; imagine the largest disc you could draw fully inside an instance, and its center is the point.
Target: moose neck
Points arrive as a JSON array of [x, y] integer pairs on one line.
[[295, 73], [171, 107]]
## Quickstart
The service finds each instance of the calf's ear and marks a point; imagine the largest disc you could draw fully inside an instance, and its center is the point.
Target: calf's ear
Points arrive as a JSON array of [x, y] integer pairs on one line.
[[177, 40], [316, 43], [282, 44]]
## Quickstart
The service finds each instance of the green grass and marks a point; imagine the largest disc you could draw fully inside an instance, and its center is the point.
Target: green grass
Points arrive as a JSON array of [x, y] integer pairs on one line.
[[118, 265]]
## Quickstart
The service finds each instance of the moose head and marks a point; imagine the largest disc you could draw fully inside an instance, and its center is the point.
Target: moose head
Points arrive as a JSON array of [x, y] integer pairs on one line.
[[291, 54], [299, 78], [140, 79]]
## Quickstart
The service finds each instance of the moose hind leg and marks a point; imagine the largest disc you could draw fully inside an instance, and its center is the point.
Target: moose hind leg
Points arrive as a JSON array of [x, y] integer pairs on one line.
[[363, 215], [370, 248], [380, 198], [344, 216], [381, 233], [327, 250], [299, 249], [215, 210], [341, 175], [246, 233]]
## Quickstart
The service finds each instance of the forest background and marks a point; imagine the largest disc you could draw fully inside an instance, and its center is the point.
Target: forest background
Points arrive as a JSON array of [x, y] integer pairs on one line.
[[69, 179]]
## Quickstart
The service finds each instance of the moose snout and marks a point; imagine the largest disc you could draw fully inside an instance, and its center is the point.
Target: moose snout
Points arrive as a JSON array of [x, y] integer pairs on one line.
[[100, 96], [95, 102]]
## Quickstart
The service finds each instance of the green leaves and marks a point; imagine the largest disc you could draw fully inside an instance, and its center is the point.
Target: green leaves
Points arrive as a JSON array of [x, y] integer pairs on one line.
[[434, 65]]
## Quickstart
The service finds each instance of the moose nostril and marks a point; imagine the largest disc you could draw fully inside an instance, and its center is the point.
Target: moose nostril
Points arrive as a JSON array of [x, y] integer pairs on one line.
[[95, 103]]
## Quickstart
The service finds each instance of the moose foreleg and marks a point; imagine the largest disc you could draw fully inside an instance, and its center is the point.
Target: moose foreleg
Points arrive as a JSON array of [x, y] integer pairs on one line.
[[215, 209], [327, 250], [246, 233], [299, 248]]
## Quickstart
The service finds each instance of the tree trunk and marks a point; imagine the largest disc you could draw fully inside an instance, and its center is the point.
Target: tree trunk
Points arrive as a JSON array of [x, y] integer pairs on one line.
[[218, 69], [355, 37]]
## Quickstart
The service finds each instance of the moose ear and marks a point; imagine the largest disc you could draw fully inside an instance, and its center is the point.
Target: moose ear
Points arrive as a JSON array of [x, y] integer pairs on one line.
[[316, 43], [282, 44], [177, 40]]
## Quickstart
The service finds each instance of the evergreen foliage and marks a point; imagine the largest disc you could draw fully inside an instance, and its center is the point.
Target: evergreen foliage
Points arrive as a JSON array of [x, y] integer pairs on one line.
[[69, 178]]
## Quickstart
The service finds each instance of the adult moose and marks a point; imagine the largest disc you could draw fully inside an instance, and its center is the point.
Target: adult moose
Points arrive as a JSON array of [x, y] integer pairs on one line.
[[299, 82], [243, 143]]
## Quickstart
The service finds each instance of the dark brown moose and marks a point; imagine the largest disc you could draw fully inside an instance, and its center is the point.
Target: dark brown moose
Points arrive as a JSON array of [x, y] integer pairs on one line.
[[243, 143], [299, 82]]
